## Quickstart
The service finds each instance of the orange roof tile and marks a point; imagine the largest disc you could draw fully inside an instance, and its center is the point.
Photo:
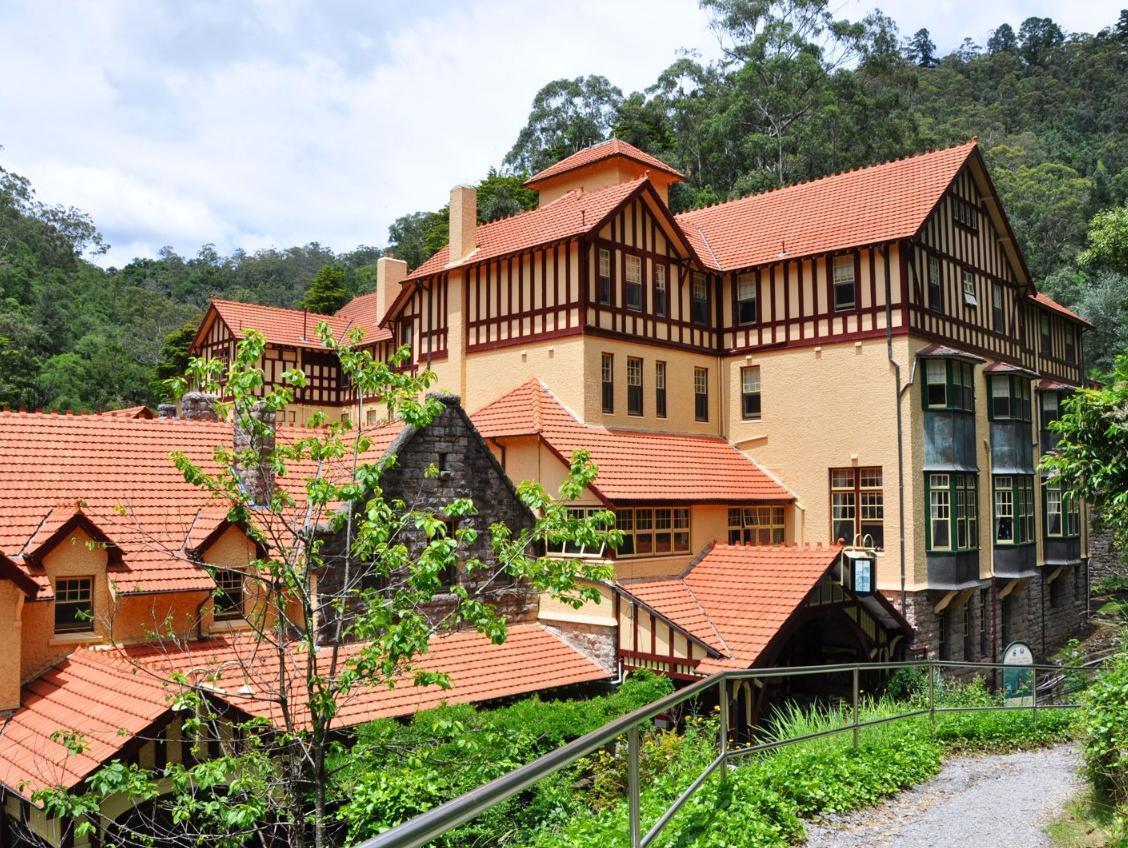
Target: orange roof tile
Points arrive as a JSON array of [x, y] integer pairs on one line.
[[743, 595], [295, 327], [597, 153], [865, 206], [129, 412], [1048, 302], [573, 214], [361, 312], [118, 473], [691, 468], [96, 693]]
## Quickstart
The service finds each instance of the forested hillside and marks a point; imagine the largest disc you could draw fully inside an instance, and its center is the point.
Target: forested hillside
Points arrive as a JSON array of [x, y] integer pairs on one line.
[[797, 94]]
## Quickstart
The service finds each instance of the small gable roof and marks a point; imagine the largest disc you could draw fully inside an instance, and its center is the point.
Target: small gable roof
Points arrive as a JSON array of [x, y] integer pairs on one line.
[[598, 152], [691, 468], [866, 206], [1048, 302], [290, 327]]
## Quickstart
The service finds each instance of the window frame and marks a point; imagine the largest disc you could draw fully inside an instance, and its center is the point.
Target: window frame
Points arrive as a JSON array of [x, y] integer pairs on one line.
[[604, 293], [700, 393], [1071, 337], [660, 388], [998, 309], [1045, 335], [1016, 493], [959, 385], [607, 382], [751, 408], [233, 610], [634, 389], [844, 261], [747, 525], [1068, 511], [699, 306], [935, 285], [753, 282], [967, 282], [1018, 394], [632, 289], [635, 523], [83, 586], [959, 494], [965, 213], [849, 489], [661, 304]]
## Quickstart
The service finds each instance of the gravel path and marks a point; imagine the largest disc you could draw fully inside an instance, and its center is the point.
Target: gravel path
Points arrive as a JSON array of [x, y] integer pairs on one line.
[[974, 802]]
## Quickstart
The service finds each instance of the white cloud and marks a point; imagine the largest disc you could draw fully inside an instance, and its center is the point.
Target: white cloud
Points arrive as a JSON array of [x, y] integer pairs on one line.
[[286, 121]]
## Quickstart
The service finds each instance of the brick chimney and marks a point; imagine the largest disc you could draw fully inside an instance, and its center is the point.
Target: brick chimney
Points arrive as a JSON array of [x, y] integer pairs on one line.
[[463, 222], [256, 478], [198, 406], [390, 274]]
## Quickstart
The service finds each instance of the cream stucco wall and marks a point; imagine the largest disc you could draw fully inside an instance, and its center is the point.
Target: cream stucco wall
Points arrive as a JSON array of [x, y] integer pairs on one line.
[[11, 610], [601, 175], [558, 362]]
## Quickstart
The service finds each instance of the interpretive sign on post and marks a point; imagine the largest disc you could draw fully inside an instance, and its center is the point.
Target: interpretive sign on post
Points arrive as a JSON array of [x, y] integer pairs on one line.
[[1018, 677]]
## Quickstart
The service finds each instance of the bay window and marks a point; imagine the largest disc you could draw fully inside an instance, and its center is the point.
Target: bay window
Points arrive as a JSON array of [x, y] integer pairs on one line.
[[949, 384], [953, 505], [1063, 513], [1010, 398], [1014, 509]]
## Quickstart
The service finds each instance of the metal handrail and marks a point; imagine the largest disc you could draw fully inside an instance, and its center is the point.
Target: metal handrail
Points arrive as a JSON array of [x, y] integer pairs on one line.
[[446, 816]]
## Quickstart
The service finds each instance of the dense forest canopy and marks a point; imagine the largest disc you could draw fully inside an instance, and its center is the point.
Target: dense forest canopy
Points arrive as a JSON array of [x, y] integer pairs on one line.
[[796, 94]]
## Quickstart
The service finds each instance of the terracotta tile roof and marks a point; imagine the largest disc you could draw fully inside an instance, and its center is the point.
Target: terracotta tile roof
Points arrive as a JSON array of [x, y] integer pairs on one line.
[[96, 693], [295, 327], [129, 412], [1007, 368], [631, 463], [597, 153], [743, 595], [575, 213], [361, 312], [1048, 302], [1051, 385], [118, 473], [939, 351], [865, 206], [91, 692]]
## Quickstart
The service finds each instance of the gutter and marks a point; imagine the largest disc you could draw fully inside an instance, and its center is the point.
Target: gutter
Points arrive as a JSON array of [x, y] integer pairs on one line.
[[900, 425]]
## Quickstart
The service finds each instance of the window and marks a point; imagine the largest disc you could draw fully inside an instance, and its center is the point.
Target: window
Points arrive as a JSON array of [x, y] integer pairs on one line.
[[935, 292], [965, 620], [701, 394], [228, 598], [1010, 398], [756, 525], [964, 213], [1063, 513], [746, 312], [661, 304], [1070, 344], [942, 649], [1014, 509], [998, 315], [969, 289], [750, 392], [699, 307], [74, 604], [576, 513], [604, 293], [844, 294], [607, 373], [1051, 408], [653, 532], [634, 386], [857, 504], [985, 622], [1046, 334], [949, 384], [633, 283], [953, 503], [660, 389]]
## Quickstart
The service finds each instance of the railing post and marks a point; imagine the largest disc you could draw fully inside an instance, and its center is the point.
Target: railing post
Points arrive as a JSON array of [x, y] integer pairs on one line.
[[633, 800], [932, 696], [854, 705], [723, 698], [1034, 697]]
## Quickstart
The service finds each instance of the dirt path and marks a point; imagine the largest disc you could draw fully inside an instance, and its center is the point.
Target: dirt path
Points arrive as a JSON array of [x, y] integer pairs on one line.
[[974, 802]]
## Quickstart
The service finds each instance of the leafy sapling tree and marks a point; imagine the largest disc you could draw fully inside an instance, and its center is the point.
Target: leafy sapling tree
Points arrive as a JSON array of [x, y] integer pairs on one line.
[[262, 718]]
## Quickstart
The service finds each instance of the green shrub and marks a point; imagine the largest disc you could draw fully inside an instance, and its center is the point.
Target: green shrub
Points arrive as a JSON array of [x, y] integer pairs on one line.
[[1104, 724], [1003, 731]]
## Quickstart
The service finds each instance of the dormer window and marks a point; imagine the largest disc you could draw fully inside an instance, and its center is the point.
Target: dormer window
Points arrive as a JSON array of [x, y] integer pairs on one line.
[[228, 594], [74, 604]]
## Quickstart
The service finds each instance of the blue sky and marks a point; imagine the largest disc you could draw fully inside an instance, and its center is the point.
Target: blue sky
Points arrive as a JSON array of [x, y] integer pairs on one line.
[[254, 123]]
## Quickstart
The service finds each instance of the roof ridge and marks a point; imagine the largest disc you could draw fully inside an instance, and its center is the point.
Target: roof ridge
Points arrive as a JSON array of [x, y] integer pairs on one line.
[[707, 617], [825, 177]]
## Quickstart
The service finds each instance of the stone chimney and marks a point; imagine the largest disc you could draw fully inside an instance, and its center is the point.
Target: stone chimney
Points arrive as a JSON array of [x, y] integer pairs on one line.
[[256, 477], [390, 274], [166, 410], [198, 406], [463, 222]]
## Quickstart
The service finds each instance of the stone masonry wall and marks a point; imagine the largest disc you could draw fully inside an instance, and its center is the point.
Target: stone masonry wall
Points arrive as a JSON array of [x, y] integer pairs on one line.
[[1105, 560]]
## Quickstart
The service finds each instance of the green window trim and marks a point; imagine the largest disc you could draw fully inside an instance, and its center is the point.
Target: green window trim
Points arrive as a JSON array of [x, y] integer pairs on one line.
[[948, 384], [952, 511], [1008, 398], [1013, 509], [1061, 514]]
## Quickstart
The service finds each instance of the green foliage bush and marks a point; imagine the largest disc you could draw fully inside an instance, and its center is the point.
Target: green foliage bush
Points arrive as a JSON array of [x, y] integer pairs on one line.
[[1104, 724]]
